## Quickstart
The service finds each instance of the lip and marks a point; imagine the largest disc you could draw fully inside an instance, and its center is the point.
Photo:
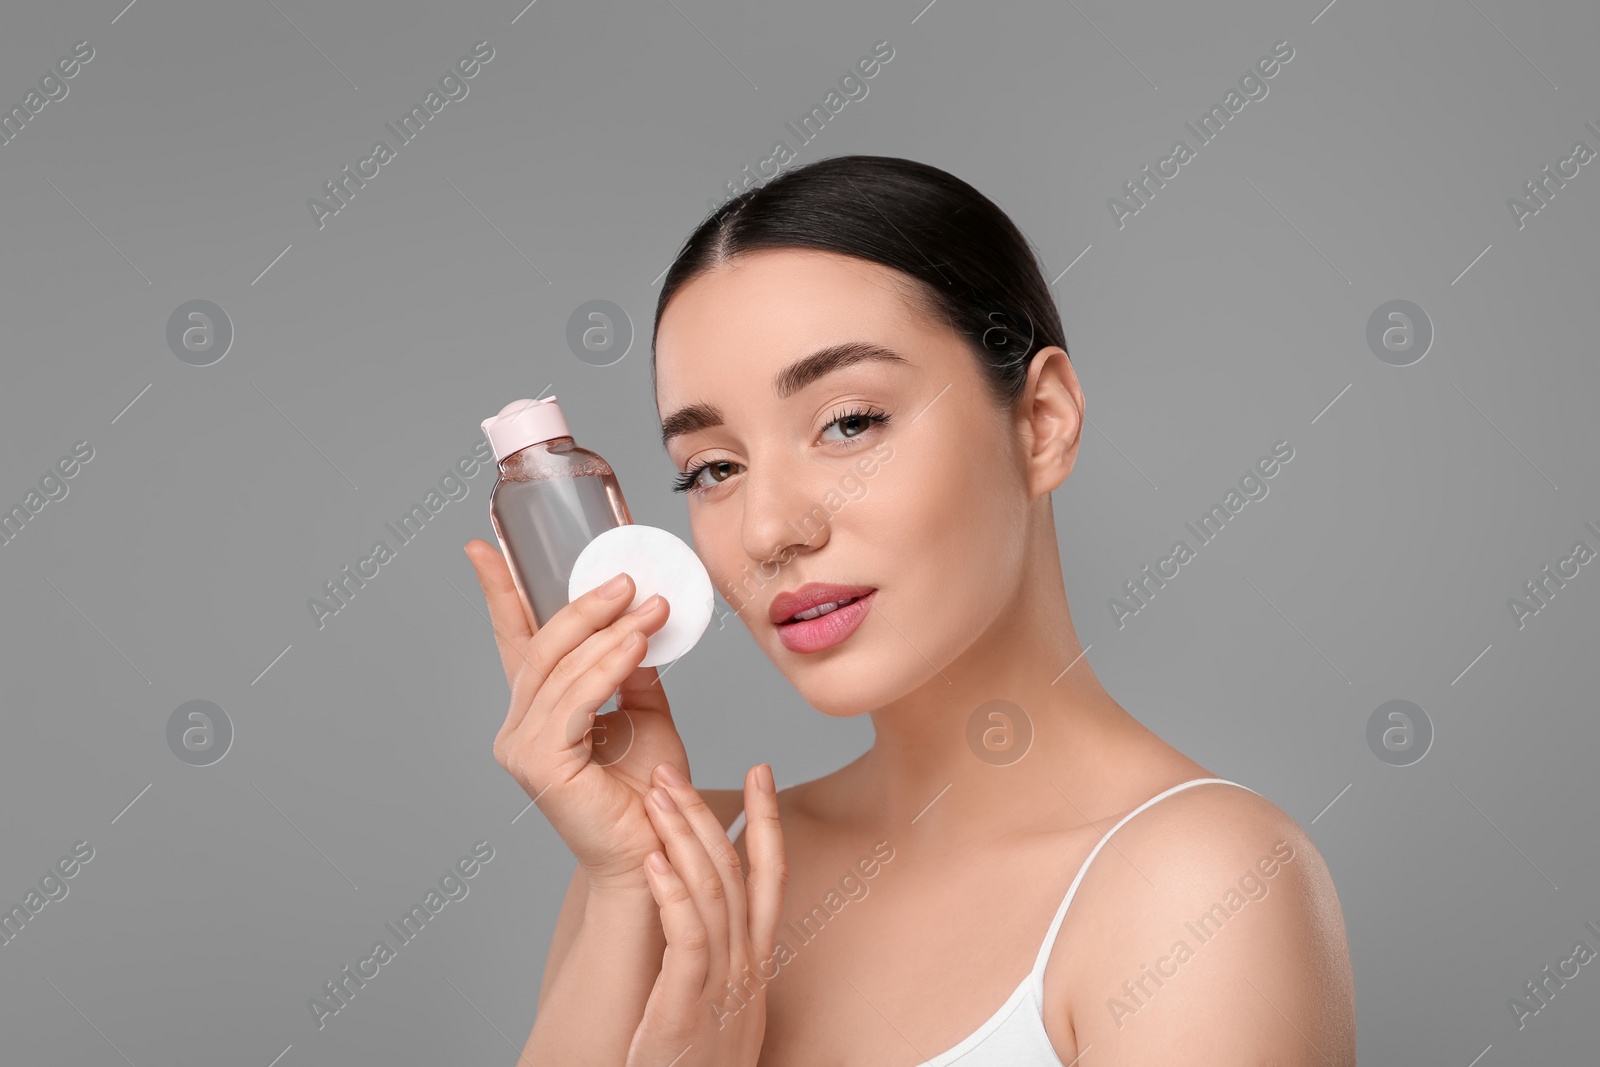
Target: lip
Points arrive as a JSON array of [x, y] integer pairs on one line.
[[825, 631]]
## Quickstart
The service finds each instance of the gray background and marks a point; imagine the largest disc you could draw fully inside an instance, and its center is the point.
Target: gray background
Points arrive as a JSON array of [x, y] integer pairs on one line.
[[1227, 315]]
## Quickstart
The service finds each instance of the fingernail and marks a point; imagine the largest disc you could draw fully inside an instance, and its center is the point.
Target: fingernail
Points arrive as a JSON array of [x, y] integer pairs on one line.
[[659, 863], [649, 604], [613, 589], [764, 778], [670, 774], [662, 799]]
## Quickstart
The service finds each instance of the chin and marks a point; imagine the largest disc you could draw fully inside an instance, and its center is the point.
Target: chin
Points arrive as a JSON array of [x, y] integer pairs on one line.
[[836, 703], [848, 681]]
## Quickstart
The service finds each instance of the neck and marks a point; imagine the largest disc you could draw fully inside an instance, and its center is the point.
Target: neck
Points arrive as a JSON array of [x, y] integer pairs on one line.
[[1017, 721]]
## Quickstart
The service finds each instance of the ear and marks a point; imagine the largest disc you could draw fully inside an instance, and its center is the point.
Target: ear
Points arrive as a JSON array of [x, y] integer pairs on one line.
[[1051, 419]]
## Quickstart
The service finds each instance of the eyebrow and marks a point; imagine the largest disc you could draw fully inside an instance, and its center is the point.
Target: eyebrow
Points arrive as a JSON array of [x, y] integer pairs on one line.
[[793, 378]]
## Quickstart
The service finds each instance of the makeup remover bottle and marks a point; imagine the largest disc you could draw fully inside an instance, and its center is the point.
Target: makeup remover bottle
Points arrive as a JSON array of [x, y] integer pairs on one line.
[[551, 499]]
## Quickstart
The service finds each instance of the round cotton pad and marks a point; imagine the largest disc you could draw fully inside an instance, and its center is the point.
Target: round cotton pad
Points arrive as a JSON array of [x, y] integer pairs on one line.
[[658, 562]]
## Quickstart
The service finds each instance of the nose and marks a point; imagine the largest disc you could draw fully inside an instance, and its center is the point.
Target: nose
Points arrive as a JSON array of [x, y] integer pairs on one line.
[[783, 516]]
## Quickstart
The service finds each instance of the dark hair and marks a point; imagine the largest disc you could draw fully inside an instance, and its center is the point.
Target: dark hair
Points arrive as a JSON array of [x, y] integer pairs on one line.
[[971, 266]]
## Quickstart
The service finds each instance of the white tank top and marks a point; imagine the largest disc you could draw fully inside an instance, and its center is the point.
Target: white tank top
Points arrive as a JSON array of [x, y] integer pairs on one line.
[[1014, 1036]]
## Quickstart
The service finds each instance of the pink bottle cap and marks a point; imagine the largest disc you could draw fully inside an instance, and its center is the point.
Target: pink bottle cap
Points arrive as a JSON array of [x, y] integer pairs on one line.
[[522, 423]]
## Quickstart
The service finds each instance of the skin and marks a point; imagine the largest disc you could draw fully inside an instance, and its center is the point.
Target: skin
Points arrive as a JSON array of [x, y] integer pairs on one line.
[[957, 532]]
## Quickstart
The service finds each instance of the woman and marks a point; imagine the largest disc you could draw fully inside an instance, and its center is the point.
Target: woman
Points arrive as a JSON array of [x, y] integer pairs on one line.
[[864, 387]]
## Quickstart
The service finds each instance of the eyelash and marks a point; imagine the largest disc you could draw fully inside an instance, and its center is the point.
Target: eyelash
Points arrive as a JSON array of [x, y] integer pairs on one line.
[[684, 483]]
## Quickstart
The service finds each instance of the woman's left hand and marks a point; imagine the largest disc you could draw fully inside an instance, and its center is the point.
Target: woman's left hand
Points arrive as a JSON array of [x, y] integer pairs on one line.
[[718, 932]]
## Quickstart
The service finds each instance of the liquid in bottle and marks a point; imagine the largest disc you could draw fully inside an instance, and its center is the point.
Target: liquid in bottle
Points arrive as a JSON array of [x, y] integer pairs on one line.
[[551, 499]]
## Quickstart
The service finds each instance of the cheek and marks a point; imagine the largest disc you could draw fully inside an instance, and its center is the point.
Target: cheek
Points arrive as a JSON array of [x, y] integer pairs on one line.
[[743, 583], [716, 543], [945, 527], [963, 525], [960, 501]]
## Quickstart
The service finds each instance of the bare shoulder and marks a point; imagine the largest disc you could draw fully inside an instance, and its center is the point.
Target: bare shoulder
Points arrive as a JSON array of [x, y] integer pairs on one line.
[[1201, 826], [1214, 925]]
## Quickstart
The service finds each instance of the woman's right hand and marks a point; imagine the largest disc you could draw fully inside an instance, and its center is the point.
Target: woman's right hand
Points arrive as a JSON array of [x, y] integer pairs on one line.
[[589, 775]]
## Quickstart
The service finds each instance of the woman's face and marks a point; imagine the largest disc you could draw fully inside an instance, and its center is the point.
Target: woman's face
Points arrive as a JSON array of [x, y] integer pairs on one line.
[[799, 481]]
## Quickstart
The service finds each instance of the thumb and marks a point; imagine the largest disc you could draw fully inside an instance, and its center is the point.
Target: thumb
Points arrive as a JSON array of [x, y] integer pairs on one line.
[[641, 691]]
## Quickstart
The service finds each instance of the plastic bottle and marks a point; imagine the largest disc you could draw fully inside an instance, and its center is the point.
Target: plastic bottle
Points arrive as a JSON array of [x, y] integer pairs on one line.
[[551, 499]]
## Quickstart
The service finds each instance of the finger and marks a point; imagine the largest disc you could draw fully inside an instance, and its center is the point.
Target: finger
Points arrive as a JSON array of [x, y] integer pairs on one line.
[[693, 863], [537, 694], [566, 744], [724, 857], [641, 690], [561, 633], [686, 962], [507, 616], [769, 868]]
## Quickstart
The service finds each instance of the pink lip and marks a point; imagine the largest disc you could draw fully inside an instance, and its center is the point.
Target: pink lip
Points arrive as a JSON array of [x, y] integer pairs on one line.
[[825, 631], [786, 605]]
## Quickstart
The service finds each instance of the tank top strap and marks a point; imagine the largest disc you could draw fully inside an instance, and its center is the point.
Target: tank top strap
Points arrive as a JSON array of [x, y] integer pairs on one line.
[[736, 827], [1061, 912]]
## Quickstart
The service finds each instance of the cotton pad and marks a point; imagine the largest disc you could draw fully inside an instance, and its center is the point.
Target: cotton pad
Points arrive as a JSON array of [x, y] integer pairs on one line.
[[658, 562]]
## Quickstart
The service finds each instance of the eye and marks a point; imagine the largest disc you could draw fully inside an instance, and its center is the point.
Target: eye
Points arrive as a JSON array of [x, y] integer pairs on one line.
[[859, 421], [851, 424], [689, 480]]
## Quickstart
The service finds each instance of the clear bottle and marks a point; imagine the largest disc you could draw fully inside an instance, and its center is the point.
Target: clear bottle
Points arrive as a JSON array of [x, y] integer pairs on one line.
[[551, 499]]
